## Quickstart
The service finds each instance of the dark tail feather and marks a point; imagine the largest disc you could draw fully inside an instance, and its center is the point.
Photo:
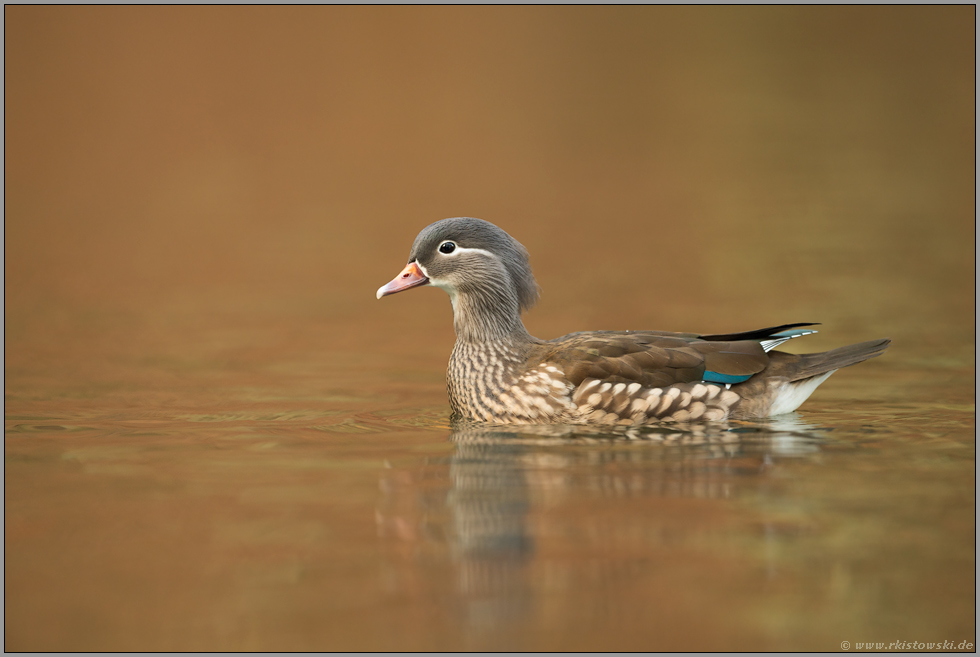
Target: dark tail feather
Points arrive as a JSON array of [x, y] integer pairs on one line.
[[814, 364], [759, 334]]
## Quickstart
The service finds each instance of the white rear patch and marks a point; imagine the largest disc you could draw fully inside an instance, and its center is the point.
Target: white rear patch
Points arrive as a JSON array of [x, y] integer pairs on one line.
[[793, 394], [772, 343]]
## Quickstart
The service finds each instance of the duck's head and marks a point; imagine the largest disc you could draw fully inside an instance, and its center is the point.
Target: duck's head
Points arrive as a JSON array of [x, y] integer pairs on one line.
[[485, 271]]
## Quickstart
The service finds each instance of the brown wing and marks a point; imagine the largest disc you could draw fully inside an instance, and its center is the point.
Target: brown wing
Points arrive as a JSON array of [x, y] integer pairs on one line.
[[650, 358]]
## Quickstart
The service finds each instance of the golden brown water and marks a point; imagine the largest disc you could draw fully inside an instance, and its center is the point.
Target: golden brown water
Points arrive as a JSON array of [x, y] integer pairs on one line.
[[217, 439]]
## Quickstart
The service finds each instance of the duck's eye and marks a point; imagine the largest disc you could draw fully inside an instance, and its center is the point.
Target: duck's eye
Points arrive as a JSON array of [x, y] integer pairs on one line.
[[447, 247]]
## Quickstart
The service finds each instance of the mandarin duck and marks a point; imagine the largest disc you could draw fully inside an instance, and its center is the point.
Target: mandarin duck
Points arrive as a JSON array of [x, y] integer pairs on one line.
[[499, 373]]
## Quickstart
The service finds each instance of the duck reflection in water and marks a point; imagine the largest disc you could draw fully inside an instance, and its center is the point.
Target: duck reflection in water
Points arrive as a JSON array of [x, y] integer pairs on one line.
[[481, 524]]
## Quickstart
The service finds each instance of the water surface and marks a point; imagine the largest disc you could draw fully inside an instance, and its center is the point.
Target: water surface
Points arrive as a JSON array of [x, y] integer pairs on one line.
[[279, 504]]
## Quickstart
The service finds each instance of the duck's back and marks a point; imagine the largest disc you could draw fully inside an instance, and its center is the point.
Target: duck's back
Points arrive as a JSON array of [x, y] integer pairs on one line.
[[651, 358]]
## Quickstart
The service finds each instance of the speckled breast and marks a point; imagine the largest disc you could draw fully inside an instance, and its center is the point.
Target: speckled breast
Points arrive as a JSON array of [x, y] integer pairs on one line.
[[489, 383]]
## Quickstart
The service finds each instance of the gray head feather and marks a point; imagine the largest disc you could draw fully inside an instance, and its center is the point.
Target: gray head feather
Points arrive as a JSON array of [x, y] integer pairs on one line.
[[467, 274]]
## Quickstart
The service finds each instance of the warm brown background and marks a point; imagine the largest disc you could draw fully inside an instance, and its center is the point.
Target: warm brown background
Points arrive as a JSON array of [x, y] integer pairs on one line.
[[728, 161], [216, 438]]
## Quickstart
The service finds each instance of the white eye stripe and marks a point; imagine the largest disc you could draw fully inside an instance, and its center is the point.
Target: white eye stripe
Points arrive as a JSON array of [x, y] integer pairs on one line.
[[463, 249], [442, 283]]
